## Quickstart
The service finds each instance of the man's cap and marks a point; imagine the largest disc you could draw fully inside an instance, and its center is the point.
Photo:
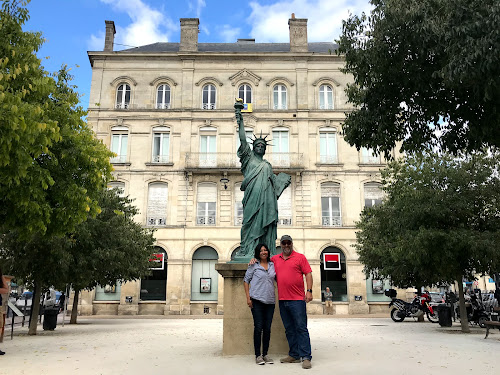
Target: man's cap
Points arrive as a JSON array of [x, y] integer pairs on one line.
[[286, 237]]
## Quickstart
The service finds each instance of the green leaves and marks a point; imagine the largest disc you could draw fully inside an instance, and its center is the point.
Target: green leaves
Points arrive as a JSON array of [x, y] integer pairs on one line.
[[441, 219], [417, 62]]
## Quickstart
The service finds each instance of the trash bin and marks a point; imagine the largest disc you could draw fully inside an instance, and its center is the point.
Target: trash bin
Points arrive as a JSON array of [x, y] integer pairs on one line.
[[50, 319], [444, 315]]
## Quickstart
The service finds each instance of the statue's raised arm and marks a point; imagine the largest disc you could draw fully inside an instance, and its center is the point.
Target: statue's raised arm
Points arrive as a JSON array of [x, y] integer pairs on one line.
[[238, 106]]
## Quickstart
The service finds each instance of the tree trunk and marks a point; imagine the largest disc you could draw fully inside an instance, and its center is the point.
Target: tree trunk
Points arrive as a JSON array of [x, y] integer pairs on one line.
[[74, 309], [419, 292], [35, 308], [464, 322]]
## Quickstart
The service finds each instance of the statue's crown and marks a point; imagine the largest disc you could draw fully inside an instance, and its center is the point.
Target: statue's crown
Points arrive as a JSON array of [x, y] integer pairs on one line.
[[260, 139]]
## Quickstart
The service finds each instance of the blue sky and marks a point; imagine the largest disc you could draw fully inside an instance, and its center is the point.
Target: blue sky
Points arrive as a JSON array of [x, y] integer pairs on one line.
[[73, 27]]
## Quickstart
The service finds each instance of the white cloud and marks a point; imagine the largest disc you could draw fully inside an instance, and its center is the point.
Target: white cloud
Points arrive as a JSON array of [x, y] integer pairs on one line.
[[148, 25], [270, 22], [229, 34], [200, 4], [96, 42]]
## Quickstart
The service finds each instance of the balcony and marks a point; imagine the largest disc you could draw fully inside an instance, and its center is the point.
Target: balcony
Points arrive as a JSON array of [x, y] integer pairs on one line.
[[331, 221], [203, 161], [154, 221], [161, 159], [118, 159], [121, 106], [205, 220], [328, 159], [162, 105]]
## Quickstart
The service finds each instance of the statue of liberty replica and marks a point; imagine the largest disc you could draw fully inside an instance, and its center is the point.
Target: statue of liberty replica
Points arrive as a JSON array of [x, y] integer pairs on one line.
[[262, 189]]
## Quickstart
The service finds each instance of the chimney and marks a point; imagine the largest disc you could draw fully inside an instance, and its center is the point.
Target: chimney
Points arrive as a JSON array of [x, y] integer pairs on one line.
[[189, 34], [110, 36], [298, 34]]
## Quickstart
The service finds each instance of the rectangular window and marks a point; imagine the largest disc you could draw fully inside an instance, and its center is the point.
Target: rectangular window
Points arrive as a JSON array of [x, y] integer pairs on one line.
[[328, 147], [206, 204], [330, 205], [238, 205], [119, 147], [285, 207], [368, 157], [157, 204], [208, 155], [280, 156], [161, 147]]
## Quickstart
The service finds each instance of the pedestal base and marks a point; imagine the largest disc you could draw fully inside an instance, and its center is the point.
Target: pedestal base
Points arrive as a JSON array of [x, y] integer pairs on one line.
[[238, 321]]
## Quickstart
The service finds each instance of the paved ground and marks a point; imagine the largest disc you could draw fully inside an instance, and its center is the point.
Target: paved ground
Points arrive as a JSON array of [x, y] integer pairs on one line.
[[144, 346]]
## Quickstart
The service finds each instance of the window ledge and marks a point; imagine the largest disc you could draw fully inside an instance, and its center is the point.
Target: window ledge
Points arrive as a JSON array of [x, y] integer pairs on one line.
[[329, 164], [152, 302], [203, 302], [106, 302], [160, 164], [122, 164], [371, 165]]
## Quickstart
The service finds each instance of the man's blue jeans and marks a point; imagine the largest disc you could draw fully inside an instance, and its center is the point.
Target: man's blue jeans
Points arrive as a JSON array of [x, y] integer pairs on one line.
[[294, 317]]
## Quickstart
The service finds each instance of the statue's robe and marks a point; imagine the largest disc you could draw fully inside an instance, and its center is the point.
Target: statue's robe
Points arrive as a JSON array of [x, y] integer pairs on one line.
[[260, 202]]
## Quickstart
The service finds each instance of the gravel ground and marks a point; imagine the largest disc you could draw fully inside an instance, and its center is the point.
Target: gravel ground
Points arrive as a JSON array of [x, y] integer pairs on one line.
[[160, 345]]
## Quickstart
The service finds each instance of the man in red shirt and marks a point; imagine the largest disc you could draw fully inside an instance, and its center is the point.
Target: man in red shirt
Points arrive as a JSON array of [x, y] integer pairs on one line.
[[290, 269]]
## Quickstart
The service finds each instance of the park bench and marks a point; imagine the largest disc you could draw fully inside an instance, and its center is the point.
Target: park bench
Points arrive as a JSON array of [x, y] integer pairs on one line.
[[492, 323]]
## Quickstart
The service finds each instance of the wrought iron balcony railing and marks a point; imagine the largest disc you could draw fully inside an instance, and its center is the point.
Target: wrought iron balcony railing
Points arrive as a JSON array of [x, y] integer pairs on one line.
[[205, 220], [155, 221], [119, 159], [160, 159], [122, 105], [331, 221], [162, 105]]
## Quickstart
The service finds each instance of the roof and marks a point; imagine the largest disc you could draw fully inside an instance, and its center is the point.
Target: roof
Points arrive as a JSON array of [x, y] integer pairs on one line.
[[320, 47]]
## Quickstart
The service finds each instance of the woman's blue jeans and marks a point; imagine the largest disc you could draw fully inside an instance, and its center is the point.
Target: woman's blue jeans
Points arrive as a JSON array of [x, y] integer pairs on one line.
[[294, 317], [262, 320]]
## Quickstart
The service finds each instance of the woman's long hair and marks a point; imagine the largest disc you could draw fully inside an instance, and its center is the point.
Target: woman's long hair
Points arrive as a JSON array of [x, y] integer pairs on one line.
[[257, 251], [1, 279]]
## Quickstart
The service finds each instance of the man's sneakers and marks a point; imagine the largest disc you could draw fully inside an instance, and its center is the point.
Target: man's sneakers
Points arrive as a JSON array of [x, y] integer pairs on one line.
[[306, 363], [289, 359], [260, 360]]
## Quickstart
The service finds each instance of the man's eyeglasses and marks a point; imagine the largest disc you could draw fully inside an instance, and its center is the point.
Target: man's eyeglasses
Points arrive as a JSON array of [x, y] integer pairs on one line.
[[286, 243]]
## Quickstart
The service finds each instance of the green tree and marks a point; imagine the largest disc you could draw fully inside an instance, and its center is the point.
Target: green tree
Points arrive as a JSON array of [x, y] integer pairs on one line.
[[439, 223], [108, 248], [426, 73], [27, 129], [52, 167]]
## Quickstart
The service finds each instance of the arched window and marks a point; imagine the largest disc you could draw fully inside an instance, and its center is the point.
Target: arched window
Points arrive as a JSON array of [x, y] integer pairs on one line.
[[163, 97], [279, 97], [245, 93], [208, 97], [123, 96], [234, 252], [157, 204], [325, 97], [373, 194], [206, 204], [334, 273], [154, 286], [330, 205], [204, 277]]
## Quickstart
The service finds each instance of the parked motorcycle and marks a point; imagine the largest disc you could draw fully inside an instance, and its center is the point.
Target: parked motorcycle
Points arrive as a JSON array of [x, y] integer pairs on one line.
[[476, 312], [416, 308]]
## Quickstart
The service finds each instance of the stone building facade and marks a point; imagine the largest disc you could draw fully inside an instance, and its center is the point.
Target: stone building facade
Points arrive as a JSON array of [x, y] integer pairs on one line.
[[166, 110]]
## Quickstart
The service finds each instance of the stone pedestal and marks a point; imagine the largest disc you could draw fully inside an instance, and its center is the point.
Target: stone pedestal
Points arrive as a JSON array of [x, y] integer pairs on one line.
[[238, 321]]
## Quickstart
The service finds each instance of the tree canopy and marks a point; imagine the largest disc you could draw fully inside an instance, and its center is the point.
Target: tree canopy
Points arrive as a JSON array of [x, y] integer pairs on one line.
[[52, 167], [109, 248], [426, 74], [439, 223]]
